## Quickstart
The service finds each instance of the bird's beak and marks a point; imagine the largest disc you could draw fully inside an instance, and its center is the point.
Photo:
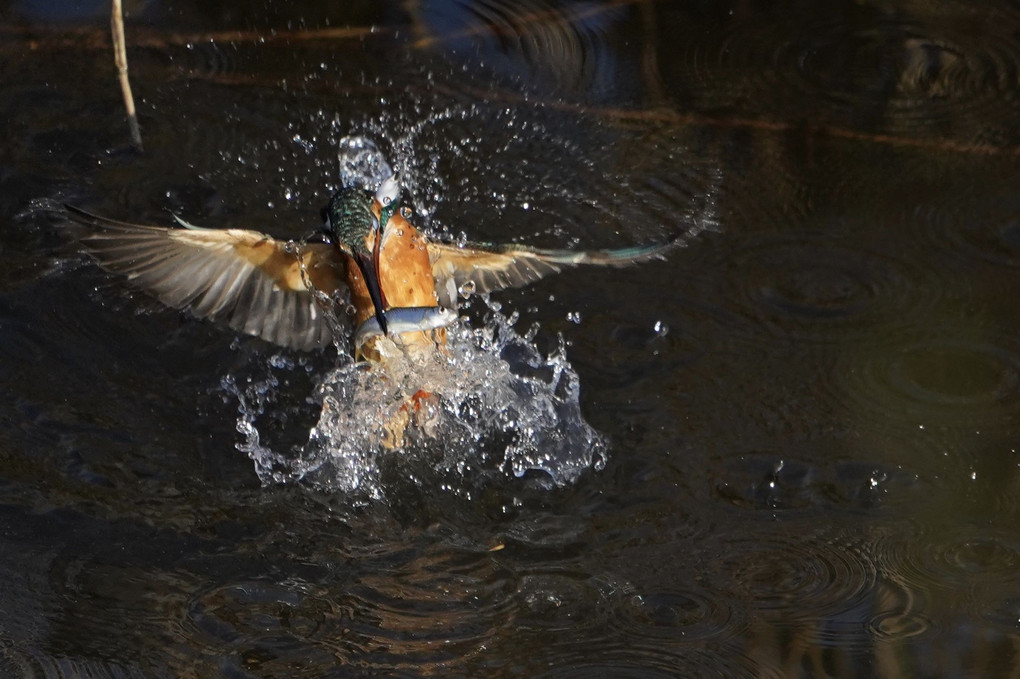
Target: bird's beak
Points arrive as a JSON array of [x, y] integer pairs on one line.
[[367, 265]]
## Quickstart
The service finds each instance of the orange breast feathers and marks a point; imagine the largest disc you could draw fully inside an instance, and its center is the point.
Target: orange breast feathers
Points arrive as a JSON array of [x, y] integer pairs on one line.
[[405, 271]]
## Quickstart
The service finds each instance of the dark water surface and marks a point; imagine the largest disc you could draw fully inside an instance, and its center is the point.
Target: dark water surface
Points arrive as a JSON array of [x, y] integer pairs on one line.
[[811, 412]]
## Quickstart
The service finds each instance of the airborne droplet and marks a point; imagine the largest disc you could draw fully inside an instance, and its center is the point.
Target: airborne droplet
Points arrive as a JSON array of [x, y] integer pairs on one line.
[[467, 289]]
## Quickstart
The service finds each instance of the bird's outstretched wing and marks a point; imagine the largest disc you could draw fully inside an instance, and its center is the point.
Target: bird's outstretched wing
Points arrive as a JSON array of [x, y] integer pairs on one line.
[[486, 268], [244, 279]]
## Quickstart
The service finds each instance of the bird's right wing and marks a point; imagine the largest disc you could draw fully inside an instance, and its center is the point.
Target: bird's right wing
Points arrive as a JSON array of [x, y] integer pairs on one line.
[[244, 279]]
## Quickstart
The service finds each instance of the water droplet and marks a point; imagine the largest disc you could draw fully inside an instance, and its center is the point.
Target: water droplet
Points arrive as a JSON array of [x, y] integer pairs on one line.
[[405, 212], [525, 205], [281, 362], [467, 289], [362, 165], [574, 317], [399, 232], [660, 329]]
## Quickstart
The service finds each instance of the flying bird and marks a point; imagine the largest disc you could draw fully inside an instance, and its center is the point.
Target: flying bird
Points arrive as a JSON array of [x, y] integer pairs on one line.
[[369, 274]]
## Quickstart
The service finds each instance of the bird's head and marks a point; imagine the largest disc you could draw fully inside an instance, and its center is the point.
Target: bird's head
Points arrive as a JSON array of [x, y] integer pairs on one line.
[[349, 222]]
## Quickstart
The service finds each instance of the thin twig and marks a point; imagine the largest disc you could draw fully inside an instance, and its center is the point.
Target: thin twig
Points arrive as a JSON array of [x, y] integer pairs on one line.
[[120, 57]]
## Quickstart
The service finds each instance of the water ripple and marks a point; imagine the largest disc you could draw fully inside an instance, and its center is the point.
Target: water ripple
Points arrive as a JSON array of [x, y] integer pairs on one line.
[[985, 231], [242, 613], [790, 481], [437, 607], [640, 660], [810, 288], [691, 614], [828, 574], [562, 600], [897, 74], [530, 39], [951, 558], [898, 613], [946, 376]]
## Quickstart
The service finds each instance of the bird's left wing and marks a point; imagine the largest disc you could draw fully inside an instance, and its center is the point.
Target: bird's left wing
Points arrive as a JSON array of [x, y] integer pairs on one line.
[[487, 268], [251, 282]]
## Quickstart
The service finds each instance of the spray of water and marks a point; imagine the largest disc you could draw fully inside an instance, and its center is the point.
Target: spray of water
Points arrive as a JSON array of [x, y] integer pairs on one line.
[[497, 406], [500, 408]]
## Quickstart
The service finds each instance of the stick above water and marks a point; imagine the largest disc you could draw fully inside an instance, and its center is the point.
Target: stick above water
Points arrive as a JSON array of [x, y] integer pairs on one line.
[[120, 58]]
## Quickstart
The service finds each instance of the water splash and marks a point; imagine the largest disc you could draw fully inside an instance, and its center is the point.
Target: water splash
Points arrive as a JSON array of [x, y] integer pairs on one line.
[[362, 165], [502, 409]]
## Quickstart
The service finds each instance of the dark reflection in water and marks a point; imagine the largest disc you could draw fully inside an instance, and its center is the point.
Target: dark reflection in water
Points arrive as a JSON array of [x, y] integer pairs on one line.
[[809, 412]]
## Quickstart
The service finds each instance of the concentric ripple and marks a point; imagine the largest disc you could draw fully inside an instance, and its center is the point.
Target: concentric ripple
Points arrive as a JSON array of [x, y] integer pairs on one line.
[[530, 39], [639, 659], [898, 75], [434, 608], [691, 614], [953, 558], [955, 376], [981, 231], [243, 611], [797, 578], [562, 600], [925, 80], [898, 613], [819, 291]]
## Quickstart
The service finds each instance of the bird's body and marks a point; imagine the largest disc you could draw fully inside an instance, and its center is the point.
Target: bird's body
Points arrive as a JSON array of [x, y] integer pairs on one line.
[[403, 271]]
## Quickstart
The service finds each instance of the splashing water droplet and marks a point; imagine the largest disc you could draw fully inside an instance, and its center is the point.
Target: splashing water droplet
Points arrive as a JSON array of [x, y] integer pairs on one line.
[[499, 409], [660, 329], [362, 164], [467, 289], [574, 317]]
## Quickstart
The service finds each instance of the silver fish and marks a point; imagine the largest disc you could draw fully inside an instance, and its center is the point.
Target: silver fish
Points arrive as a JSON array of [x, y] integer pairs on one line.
[[405, 319]]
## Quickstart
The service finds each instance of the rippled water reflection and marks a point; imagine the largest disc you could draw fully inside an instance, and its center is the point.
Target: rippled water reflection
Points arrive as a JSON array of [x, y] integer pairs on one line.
[[800, 453]]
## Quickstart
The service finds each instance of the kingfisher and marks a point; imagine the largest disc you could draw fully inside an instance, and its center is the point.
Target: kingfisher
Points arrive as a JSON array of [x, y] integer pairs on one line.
[[368, 274]]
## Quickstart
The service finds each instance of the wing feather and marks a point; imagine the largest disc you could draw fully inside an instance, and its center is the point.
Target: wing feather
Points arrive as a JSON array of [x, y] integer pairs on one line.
[[495, 267], [244, 279]]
